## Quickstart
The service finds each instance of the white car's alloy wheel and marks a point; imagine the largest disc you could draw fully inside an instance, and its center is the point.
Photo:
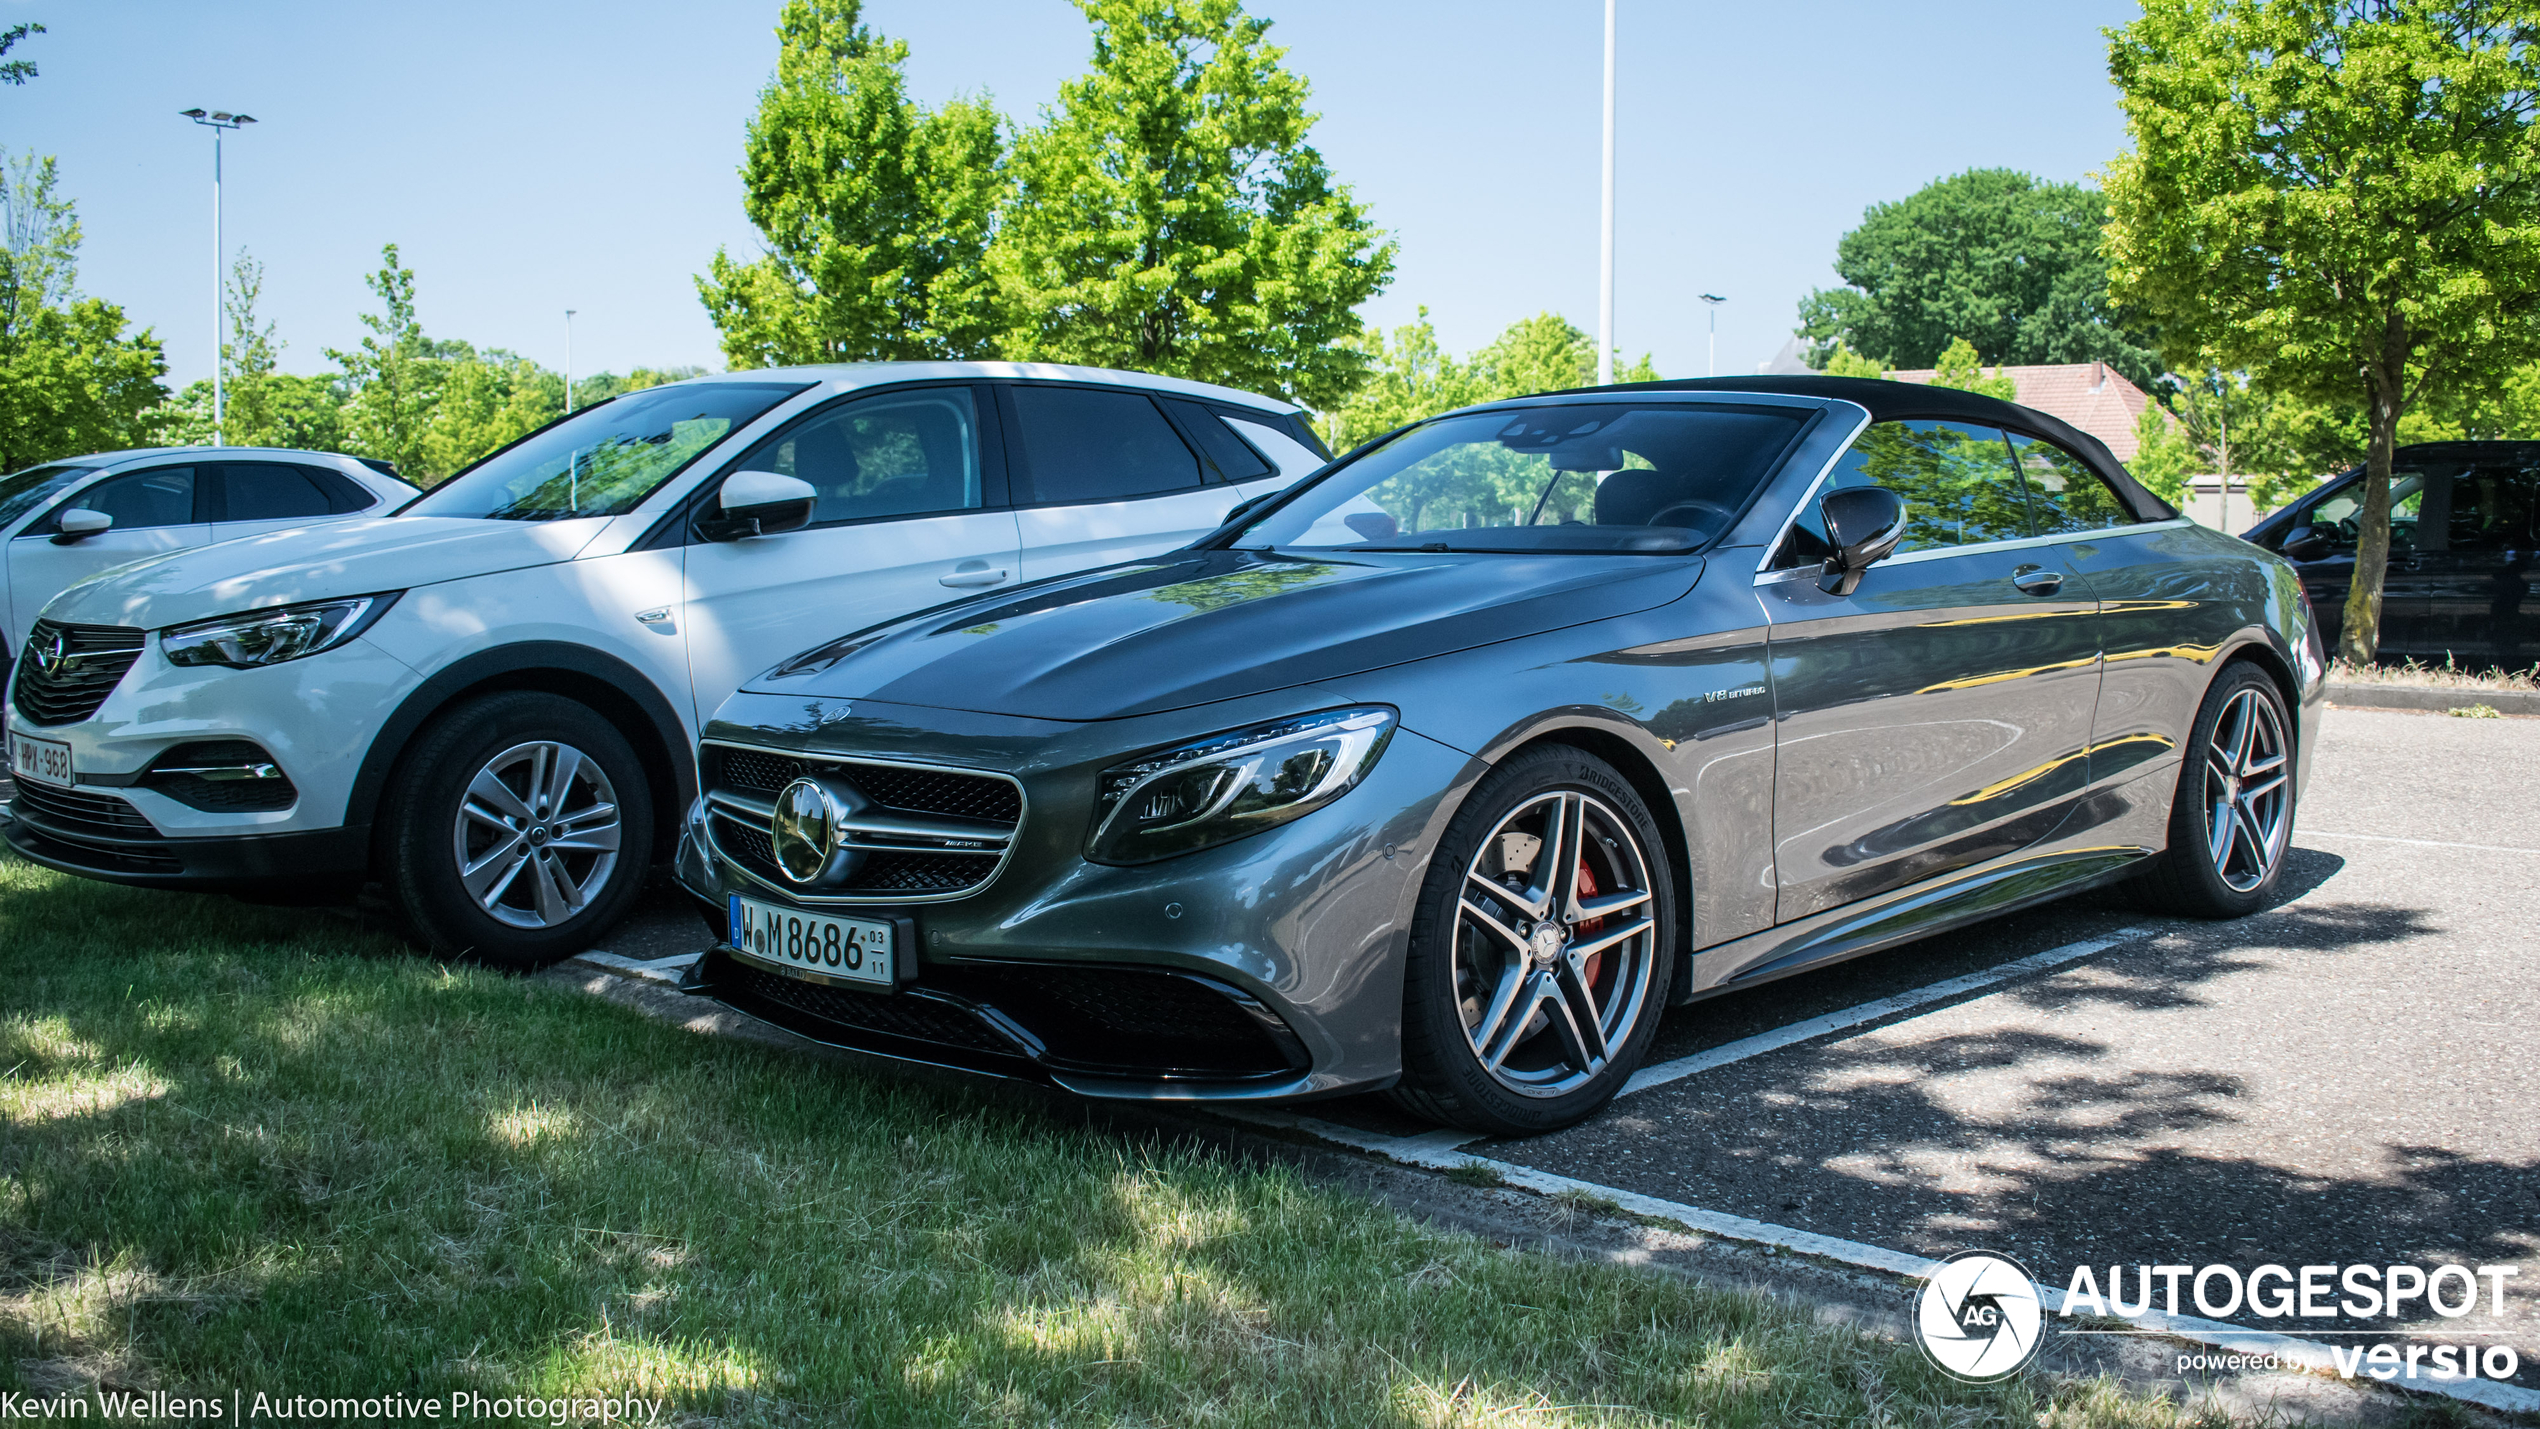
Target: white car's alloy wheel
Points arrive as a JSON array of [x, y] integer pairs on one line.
[[537, 834]]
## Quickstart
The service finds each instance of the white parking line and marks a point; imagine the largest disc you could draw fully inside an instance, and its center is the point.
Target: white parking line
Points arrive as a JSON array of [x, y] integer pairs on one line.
[[2420, 843], [1797, 1032], [653, 970], [1432, 1152]]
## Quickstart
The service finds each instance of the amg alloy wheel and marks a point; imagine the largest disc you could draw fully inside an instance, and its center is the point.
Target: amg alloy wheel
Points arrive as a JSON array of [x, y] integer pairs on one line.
[[519, 830], [2232, 818], [1542, 951]]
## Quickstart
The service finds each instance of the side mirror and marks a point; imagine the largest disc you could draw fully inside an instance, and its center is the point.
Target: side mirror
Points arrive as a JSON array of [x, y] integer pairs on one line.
[[79, 523], [2305, 544], [1863, 523], [759, 503]]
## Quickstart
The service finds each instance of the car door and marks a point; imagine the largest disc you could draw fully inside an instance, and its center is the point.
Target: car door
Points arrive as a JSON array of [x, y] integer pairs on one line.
[[2471, 569], [252, 498], [1102, 475], [1939, 715], [156, 510], [911, 513], [2330, 573]]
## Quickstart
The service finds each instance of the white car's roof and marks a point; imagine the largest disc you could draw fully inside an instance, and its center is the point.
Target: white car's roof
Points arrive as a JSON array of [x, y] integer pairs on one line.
[[132, 454], [849, 375]]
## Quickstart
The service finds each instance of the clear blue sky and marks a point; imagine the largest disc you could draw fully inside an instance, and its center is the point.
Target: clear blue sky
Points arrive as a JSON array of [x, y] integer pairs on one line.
[[530, 157]]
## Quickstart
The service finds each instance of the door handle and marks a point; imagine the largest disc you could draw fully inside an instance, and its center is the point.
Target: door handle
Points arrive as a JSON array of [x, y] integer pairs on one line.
[[2037, 580], [971, 574]]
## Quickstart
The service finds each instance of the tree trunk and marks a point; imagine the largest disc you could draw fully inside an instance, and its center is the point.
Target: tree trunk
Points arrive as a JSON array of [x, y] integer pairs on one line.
[[2361, 637]]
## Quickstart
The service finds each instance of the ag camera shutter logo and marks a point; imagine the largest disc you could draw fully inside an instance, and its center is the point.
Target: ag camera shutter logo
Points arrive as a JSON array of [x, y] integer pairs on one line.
[[1978, 1317]]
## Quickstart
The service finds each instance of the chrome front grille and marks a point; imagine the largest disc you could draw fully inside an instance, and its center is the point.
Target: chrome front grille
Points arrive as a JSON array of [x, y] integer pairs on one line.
[[942, 832], [66, 671]]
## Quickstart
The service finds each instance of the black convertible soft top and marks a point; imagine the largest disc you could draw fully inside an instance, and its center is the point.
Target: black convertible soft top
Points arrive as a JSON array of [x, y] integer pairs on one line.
[[1888, 400]]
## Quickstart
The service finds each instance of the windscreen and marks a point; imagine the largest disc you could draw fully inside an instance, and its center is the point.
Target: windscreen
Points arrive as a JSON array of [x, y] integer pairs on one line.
[[603, 460], [1586, 476], [23, 491]]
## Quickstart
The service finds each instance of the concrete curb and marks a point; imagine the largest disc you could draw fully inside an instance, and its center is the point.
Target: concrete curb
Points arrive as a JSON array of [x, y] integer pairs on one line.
[[2435, 698]]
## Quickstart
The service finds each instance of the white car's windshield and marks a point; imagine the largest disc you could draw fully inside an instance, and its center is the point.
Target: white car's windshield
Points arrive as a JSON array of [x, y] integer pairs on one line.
[[1576, 476], [605, 459], [23, 491]]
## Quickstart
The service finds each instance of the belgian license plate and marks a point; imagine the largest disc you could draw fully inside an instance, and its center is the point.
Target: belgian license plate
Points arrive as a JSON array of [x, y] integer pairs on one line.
[[40, 761], [863, 951]]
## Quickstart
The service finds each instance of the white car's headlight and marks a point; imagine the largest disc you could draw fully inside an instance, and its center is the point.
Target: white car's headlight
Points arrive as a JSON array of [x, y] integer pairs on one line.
[[269, 637], [1226, 786]]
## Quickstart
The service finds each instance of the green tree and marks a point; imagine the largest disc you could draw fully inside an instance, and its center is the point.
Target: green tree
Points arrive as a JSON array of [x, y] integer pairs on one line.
[[394, 377], [874, 211], [600, 386], [1842, 361], [486, 401], [248, 357], [2338, 196], [1998, 257], [1545, 353], [1961, 367], [1409, 378], [17, 71], [71, 380], [2165, 456], [1169, 216]]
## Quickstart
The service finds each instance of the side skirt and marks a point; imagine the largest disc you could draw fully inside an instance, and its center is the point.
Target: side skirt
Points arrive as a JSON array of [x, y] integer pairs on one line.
[[1969, 895]]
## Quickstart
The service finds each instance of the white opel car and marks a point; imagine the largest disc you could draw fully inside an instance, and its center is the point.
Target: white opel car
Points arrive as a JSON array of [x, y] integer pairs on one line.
[[489, 700], [67, 520]]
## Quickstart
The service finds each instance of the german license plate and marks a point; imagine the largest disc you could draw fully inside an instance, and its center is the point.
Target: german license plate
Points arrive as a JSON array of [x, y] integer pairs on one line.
[[861, 951], [40, 761]]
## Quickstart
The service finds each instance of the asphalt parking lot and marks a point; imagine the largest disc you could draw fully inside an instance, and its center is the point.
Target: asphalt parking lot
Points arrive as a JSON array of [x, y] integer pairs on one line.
[[2351, 1076]]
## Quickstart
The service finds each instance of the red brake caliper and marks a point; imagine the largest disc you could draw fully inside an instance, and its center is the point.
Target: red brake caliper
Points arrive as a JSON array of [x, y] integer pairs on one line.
[[1588, 927]]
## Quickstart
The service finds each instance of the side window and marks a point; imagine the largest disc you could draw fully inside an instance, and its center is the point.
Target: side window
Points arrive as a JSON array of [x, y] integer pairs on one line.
[[1218, 444], [1958, 482], [2492, 508], [2339, 516], [343, 494], [1083, 445], [898, 454], [1294, 457], [2064, 493], [269, 491], [161, 496]]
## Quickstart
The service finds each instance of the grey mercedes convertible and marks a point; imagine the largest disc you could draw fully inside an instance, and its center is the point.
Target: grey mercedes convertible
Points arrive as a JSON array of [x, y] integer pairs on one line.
[[1452, 768]]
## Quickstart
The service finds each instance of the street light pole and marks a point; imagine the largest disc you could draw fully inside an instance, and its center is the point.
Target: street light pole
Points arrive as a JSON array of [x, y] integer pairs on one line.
[[568, 362], [1711, 302], [220, 309], [1605, 241]]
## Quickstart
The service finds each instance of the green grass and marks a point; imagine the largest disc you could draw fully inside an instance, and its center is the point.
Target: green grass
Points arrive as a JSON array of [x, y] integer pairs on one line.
[[252, 1149]]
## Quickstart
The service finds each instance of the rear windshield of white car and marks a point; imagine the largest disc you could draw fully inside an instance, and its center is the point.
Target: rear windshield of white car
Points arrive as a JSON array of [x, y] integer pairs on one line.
[[1577, 476], [603, 460], [23, 491]]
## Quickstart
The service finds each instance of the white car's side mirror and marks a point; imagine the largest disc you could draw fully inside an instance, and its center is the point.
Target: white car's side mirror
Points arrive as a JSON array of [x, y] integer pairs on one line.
[[760, 503], [79, 523]]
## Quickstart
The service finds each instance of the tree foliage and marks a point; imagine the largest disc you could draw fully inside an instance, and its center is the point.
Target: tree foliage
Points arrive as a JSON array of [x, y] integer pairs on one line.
[[2339, 197], [72, 381], [1960, 366], [875, 211], [1412, 376], [1999, 258], [1169, 216], [21, 70], [393, 377]]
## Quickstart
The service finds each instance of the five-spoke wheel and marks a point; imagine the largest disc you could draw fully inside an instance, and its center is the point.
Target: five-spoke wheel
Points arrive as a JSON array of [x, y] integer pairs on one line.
[[1542, 949], [2232, 818]]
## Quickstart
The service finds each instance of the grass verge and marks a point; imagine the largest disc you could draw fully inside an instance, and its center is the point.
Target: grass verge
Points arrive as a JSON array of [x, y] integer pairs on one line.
[[2446, 676], [249, 1149]]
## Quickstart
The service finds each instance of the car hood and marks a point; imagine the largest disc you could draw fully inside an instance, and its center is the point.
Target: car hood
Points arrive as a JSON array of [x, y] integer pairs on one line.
[[376, 553], [1204, 626]]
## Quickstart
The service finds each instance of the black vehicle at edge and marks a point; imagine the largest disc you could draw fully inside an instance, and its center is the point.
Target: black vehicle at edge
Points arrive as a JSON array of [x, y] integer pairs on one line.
[[1689, 686]]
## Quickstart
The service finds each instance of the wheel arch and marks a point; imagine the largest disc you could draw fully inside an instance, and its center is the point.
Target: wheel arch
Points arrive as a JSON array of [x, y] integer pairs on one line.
[[616, 690], [1641, 771], [2260, 651]]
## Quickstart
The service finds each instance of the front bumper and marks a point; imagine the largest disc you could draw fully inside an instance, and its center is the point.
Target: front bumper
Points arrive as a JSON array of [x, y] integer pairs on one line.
[[244, 864], [1268, 968]]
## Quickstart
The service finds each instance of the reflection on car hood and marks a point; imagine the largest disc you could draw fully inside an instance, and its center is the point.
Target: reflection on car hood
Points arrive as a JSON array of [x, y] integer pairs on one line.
[[1215, 625], [316, 563]]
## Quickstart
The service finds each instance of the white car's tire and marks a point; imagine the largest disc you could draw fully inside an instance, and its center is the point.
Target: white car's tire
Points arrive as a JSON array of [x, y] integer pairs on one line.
[[519, 830]]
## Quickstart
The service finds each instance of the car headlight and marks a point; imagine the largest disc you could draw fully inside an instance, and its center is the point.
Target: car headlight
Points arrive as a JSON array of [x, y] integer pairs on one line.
[[269, 637], [1226, 786]]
